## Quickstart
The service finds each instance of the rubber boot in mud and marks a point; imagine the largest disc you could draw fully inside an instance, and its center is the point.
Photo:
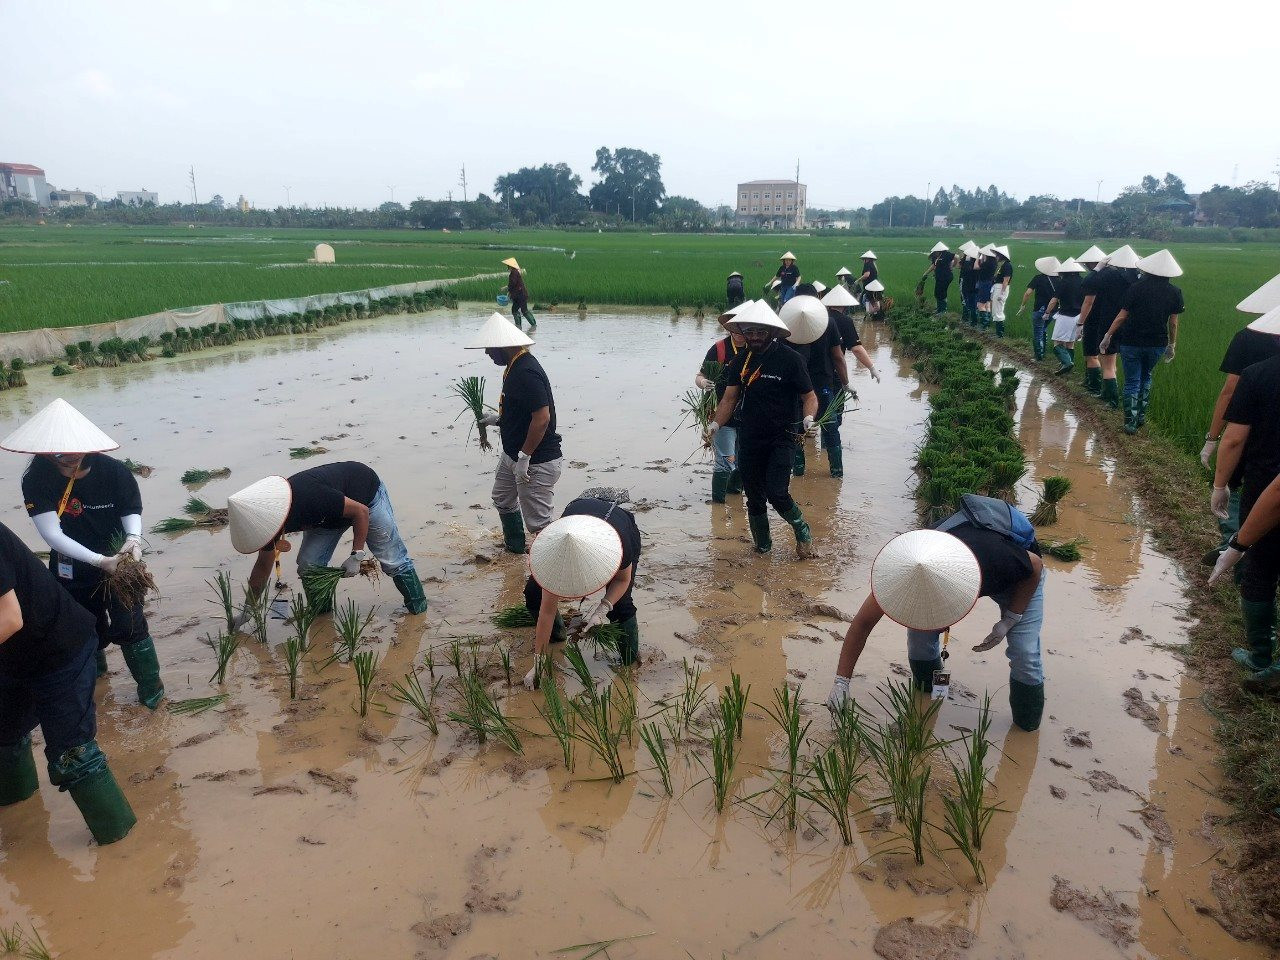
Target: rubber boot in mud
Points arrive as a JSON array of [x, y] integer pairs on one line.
[[759, 524], [1093, 380], [719, 485], [101, 658], [513, 531], [83, 772], [1026, 703], [797, 461], [558, 632], [835, 456], [17, 772], [1130, 414], [410, 587], [735, 481], [629, 643], [922, 673], [1259, 634], [140, 656], [1111, 393], [804, 538]]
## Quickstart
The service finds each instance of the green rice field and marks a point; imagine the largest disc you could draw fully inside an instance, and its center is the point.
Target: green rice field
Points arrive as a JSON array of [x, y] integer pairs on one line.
[[65, 276]]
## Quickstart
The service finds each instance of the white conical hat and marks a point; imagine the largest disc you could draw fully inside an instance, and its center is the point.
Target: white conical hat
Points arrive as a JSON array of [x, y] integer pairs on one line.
[[1126, 258], [870, 255], [844, 272], [987, 250], [1160, 264], [1269, 322], [805, 317], [1263, 300], [743, 306], [498, 331], [819, 286], [787, 256], [257, 513], [939, 247], [575, 556], [875, 286], [1092, 255], [58, 428], [735, 274], [969, 248], [926, 580], [511, 262], [839, 296], [1069, 265], [1003, 251], [1048, 266], [760, 315]]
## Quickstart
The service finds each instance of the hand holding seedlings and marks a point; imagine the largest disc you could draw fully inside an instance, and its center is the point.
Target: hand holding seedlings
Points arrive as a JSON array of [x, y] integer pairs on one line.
[[1000, 631], [598, 614], [352, 565]]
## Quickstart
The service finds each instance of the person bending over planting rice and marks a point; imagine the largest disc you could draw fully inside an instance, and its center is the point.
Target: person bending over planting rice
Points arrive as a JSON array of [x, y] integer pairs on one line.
[[593, 547], [530, 462], [733, 291], [518, 293], [88, 509], [929, 580], [321, 503]]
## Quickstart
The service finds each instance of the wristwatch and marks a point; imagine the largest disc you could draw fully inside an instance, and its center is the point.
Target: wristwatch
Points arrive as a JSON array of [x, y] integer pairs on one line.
[[1235, 544]]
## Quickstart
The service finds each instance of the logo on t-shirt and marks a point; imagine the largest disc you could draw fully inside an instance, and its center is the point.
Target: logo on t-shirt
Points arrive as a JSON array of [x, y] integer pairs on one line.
[[74, 507]]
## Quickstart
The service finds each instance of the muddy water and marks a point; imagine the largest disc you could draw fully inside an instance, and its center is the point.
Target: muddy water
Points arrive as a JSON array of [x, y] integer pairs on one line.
[[273, 828]]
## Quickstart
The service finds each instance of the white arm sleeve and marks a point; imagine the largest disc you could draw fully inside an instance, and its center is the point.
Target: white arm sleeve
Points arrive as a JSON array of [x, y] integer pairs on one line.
[[132, 523], [51, 530]]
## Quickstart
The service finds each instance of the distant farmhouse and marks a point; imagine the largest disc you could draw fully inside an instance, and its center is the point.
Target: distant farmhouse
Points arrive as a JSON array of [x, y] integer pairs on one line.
[[771, 204]]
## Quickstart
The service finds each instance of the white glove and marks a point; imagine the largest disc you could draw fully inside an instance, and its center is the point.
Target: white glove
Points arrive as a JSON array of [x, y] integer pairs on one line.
[[1105, 343], [1207, 451], [351, 565], [489, 420], [521, 468], [108, 564], [703, 383], [807, 425], [1169, 352], [999, 631], [531, 678], [1227, 559], [712, 427], [133, 547], [242, 619], [838, 699], [598, 614], [875, 374], [1218, 502]]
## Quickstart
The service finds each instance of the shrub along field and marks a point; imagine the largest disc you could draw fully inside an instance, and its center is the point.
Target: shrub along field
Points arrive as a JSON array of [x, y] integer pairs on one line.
[[65, 276]]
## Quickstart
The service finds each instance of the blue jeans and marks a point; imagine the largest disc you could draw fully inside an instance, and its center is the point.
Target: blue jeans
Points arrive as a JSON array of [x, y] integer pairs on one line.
[[830, 431], [785, 294], [384, 540], [1139, 364], [1022, 646], [724, 444], [1230, 526], [1039, 334], [60, 703]]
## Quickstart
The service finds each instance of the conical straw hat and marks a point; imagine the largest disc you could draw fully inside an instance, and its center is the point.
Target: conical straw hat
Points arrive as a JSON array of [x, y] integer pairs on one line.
[[969, 248], [805, 317], [1263, 300], [1092, 255], [735, 274], [819, 286], [575, 556], [839, 296], [743, 306], [511, 262], [1160, 264], [760, 315], [498, 331], [844, 272], [1269, 322], [926, 580], [986, 251], [1069, 265], [939, 247], [870, 255], [1003, 251], [1126, 258], [1048, 266], [875, 286], [257, 513], [58, 428], [787, 256]]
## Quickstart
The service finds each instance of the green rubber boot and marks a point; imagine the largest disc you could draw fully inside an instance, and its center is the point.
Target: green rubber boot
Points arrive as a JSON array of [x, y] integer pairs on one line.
[[1130, 414], [17, 773], [922, 673], [1264, 681], [1110, 393], [140, 657], [1093, 380], [835, 456], [1026, 703], [797, 461], [759, 524], [804, 538], [1144, 400], [101, 658], [1259, 634], [999, 325], [629, 643], [719, 485], [735, 481], [513, 531], [83, 772], [410, 588]]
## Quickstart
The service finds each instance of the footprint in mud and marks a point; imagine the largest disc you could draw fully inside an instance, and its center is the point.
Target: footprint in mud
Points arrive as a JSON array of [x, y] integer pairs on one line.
[[906, 939], [1077, 738], [1136, 706], [336, 782], [1105, 914]]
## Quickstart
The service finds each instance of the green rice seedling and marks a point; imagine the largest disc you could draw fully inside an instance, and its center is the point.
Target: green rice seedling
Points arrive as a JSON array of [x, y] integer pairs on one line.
[[902, 743], [204, 476], [410, 692], [966, 813], [366, 667], [294, 650], [835, 407], [914, 820], [1046, 512], [578, 663], [511, 618], [224, 647], [351, 627], [173, 525], [595, 725], [73, 352], [301, 617], [455, 657], [197, 705], [196, 507], [1068, 551], [137, 469], [604, 638], [693, 696], [628, 708], [11, 939], [734, 703], [651, 736], [560, 719], [35, 948], [259, 609], [320, 584], [482, 714], [302, 453], [785, 712], [62, 370], [224, 597], [724, 759], [470, 390], [1005, 475], [832, 777]]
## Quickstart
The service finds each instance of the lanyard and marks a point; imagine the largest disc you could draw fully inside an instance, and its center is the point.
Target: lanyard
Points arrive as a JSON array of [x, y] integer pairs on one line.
[[511, 363], [66, 494]]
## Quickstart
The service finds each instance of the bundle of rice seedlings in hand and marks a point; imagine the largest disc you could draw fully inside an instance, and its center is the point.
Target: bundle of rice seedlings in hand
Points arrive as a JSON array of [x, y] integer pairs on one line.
[[321, 584], [513, 617], [138, 469], [130, 582], [471, 391], [835, 408], [1068, 551], [204, 476], [1046, 512]]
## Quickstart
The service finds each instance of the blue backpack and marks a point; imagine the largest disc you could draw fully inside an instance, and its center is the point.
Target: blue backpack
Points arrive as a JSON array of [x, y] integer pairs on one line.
[[988, 513]]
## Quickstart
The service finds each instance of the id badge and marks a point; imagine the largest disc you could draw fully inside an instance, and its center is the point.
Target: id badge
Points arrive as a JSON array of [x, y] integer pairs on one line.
[[64, 569], [941, 684]]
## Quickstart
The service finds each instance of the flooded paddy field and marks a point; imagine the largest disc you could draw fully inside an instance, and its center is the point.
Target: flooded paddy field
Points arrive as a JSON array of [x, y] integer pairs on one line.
[[271, 827]]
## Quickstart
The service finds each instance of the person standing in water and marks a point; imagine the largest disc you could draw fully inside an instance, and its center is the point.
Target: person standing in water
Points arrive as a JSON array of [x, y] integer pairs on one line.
[[787, 277], [725, 475], [518, 293]]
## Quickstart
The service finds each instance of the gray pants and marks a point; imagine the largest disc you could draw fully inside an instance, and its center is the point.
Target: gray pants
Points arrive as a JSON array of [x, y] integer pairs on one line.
[[536, 499]]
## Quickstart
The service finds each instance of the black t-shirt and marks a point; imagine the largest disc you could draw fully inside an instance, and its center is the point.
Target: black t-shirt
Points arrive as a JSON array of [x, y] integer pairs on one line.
[[92, 517], [788, 274], [1045, 289], [1254, 404], [733, 287], [986, 269], [1107, 287], [1248, 347], [844, 325], [869, 268], [968, 272], [722, 351], [818, 359], [772, 385], [623, 521], [319, 492], [1150, 302], [1004, 270], [525, 390], [1004, 564], [54, 626], [943, 263], [1070, 294]]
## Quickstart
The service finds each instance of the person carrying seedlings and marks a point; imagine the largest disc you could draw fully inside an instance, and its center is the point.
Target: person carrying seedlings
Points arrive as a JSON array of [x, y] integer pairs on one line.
[[1146, 329], [733, 292], [1044, 288], [725, 476], [942, 266], [1064, 308], [816, 337], [321, 503], [518, 293], [838, 300], [47, 672], [787, 277], [929, 580], [1000, 287], [1104, 289], [530, 462], [593, 547], [969, 281], [778, 405], [87, 507]]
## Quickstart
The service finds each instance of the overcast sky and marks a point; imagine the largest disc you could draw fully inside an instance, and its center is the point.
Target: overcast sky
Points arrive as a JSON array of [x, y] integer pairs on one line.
[[341, 101]]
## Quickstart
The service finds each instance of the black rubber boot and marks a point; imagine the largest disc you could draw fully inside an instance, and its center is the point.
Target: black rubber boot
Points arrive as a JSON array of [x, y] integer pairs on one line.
[[629, 643], [1130, 414], [1259, 634], [719, 485], [140, 657], [513, 531], [999, 325], [1093, 380], [1026, 703], [835, 456], [804, 537], [922, 673], [101, 658], [1144, 400], [735, 481], [797, 461], [760, 532], [410, 587], [17, 773], [558, 632], [1110, 393]]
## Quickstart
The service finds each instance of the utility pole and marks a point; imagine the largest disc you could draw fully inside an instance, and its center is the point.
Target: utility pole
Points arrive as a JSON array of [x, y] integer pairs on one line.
[[633, 202], [194, 197], [462, 182], [449, 195], [890, 213], [1097, 197], [928, 199], [288, 198], [392, 188]]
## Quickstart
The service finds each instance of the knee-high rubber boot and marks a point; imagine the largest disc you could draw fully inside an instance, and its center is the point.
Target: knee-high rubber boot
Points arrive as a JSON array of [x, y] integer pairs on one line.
[[83, 772], [797, 460], [735, 481], [410, 587], [1144, 399], [1259, 634], [942, 305], [1110, 393], [759, 524], [17, 773], [1026, 703], [1066, 358], [558, 633], [922, 673], [719, 485], [999, 325], [629, 643], [1130, 414], [804, 538], [101, 659], [513, 531], [1093, 380], [140, 656], [835, 456]]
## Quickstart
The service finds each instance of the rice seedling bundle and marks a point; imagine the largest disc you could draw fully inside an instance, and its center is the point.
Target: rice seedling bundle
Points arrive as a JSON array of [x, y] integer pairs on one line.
[[138, 469], [302, 453], [470, 390], [1068, 551], [1046, 512], [62, 370], [320, 584], [366, 667], [130, 582], [511, 618], [204, 476], [835, 407], [197, 705]]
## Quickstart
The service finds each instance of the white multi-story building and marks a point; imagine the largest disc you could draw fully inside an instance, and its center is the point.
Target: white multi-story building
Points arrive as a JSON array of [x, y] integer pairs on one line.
[[22, 181], [771, 204], [138, 198], [72, 198]]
